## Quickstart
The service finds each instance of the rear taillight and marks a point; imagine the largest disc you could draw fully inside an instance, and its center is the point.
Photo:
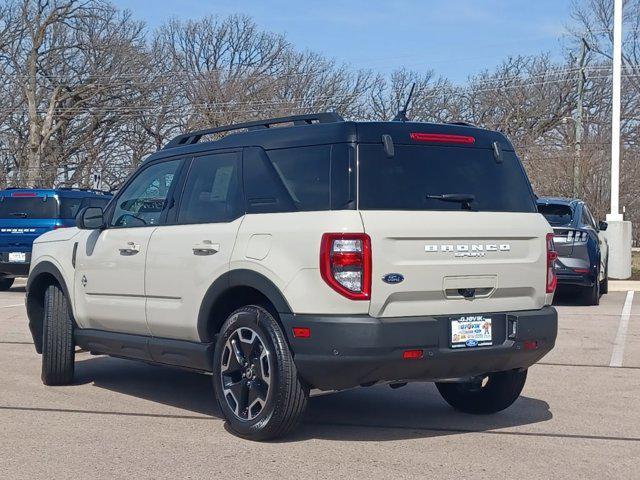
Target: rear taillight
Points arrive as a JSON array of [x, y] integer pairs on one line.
[[552, 256], [345, 264]]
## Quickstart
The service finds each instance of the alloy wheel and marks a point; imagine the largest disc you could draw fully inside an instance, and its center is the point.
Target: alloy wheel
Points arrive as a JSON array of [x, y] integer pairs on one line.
[[245, 373]]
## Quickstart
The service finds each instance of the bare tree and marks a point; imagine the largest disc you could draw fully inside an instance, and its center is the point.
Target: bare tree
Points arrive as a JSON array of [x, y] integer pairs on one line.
[[70, 63]]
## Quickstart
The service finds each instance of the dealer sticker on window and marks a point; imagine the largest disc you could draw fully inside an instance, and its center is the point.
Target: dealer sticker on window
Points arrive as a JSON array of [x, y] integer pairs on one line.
[[471, 331]]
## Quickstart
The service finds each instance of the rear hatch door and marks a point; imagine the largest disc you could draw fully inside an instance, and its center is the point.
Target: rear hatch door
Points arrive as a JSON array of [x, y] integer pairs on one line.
[[493, 246], [25, 218]]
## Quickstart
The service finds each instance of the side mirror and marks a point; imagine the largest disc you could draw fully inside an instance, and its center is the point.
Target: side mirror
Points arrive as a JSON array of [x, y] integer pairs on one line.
[[90, 218], [602, 225]]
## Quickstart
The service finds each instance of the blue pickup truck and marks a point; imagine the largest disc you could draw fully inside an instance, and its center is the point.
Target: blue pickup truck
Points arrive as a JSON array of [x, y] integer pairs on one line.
[[25, 214]]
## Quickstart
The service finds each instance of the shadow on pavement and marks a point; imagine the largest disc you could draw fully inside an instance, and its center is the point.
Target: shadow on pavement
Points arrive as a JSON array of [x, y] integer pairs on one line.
[[364, 414]]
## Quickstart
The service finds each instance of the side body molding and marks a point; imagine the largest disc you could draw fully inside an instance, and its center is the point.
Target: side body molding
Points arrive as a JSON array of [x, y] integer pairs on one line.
[[237, 278]]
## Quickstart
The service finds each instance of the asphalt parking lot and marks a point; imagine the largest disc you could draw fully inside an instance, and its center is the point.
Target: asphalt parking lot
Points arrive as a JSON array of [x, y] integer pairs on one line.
[[578, 418]]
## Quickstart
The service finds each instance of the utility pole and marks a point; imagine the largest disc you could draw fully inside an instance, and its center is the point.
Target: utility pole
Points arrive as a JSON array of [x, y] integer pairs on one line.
[[619, 231], [577, 160]]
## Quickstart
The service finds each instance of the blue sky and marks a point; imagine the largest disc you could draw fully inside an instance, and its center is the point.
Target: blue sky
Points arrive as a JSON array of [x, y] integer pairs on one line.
[[456, 38]]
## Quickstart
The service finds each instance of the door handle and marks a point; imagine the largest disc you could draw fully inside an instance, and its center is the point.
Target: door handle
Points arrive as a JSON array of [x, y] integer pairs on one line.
[[131, 249], [206, 248]]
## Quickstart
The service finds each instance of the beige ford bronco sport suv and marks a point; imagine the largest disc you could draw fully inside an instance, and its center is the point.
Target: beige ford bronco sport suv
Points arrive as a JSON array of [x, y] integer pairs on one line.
[[309, 253]]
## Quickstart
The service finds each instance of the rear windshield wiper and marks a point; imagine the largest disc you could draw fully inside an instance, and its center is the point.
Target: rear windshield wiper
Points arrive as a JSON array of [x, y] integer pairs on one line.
[[464, 198]]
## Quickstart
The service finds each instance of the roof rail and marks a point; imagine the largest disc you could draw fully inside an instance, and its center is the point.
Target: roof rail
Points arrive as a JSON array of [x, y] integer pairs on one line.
[[80, 189], [194, 137]]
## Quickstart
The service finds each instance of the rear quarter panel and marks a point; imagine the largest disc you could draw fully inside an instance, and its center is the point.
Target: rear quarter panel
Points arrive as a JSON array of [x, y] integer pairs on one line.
[[285, 248]]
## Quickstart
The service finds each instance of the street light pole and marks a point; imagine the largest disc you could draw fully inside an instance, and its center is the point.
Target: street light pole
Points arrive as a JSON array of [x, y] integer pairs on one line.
[[615, 120], [618, 232]]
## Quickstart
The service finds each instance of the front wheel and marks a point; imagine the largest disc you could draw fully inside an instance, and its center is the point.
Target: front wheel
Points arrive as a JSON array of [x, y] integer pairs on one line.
[[6, 283], [58, 348], [255, 379], [490, 394]]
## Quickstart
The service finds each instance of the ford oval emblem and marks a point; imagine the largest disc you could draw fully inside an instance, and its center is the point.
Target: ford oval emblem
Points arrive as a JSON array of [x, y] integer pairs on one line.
[[471, 343], [392, 278]]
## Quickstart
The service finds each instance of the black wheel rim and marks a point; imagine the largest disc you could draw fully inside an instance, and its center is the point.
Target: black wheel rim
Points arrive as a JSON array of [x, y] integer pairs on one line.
[[245, 373]]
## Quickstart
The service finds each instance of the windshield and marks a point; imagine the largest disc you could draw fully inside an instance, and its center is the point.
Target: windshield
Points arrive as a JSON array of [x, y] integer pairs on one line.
[[559, 215], [28, 207], [422, 177]]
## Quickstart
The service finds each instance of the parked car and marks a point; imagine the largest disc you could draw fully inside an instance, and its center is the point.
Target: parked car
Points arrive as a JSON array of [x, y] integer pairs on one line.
[[583, 252], [306, 253], [25, 214]]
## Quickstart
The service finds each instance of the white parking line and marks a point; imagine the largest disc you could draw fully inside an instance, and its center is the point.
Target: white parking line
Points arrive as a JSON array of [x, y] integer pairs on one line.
[[621, 336], [10, 306]]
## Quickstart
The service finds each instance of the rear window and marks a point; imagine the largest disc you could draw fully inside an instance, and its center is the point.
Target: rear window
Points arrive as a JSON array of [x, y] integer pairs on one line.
[[28, 207], [415, 172], [559, 215]]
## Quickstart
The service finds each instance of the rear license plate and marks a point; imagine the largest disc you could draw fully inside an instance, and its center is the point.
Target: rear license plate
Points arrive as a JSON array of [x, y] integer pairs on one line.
[[17, 257], [471, 331]]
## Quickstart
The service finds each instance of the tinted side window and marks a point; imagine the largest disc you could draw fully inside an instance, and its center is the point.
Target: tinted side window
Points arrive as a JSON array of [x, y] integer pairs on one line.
[[304, 171], [69, 207], [95, 202], [264, 189], [143, 200], [212, 190]]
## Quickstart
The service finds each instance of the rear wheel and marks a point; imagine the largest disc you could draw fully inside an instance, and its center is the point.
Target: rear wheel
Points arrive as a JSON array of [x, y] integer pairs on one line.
[[58, 348], [591, 294], [255, 379], [604, 285], [6, 283], [490, 394]]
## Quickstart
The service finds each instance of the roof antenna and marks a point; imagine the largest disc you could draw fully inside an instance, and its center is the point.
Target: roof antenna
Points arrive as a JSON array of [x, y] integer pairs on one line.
[[401, 116]]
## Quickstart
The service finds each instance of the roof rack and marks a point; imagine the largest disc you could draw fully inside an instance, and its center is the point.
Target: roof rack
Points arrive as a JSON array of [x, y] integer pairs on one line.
[[194, 137]]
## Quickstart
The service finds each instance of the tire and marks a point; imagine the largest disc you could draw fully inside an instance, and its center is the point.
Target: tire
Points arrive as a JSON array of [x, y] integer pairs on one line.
[[591, 294], [58, 348], [604, 285], [257, 389], [499, 392], [6, 283]]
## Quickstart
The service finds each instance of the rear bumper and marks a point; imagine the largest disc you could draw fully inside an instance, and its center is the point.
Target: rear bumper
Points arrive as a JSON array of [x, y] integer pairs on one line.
[[576, 279], [12, 269], [347, 351]]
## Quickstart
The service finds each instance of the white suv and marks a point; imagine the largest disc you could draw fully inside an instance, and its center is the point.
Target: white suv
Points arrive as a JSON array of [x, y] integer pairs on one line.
[[322, 254]]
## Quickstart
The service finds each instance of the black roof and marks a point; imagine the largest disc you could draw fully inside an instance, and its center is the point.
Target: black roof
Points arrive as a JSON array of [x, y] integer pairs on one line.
[[319, 129]]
